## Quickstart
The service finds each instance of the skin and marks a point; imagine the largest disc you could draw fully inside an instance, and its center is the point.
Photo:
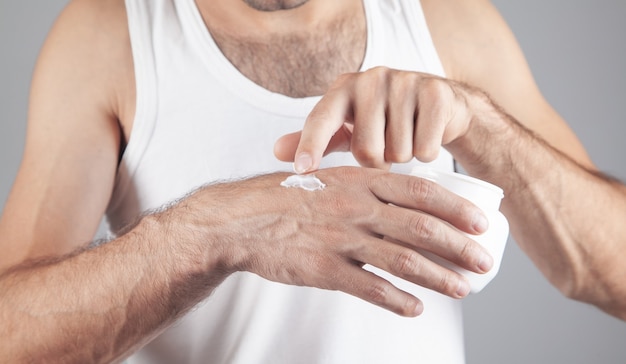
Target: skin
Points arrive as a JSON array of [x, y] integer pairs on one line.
[[100, 305]]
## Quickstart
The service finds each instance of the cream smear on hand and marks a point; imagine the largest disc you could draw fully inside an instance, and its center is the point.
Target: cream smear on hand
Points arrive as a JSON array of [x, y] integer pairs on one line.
[[305, 181]]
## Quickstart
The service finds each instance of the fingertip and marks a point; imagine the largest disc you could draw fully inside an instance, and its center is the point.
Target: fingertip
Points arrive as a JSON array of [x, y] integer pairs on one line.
[[463, 288], [486, 263], [416, 308], [411, 307], [480, 223], [303, 163]]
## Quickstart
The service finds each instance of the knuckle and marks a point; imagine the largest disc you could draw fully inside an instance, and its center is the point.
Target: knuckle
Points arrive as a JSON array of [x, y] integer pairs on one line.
[[378, 293], [408, 263], [397, 155], [409, 81], [448, 284], [365, 156], [425, 227], [327, 274], [430, 88], [437, 87], [379, 72], [374, 78], [420, 189], [469, 252], [426, 152], [318, 116], [440, 96]]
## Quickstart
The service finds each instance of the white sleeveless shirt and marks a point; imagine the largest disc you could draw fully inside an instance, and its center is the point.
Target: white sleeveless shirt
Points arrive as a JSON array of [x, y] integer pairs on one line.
[[199, 120]]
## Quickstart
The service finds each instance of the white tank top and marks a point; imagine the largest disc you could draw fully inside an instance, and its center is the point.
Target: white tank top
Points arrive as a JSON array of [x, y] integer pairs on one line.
[[199, 120]]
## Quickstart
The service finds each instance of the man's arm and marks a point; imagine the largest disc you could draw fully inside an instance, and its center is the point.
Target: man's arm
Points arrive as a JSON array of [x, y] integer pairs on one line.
[[73, 135], [99, 305], [567, 218], [63, 302], [553, 194], [79, 308], [565, 214]]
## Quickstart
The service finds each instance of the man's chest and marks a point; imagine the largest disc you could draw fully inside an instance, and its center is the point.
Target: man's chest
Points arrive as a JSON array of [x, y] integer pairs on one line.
[[298, 65]]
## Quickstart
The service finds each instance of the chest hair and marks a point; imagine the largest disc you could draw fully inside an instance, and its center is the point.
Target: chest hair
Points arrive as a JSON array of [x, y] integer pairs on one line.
[[298, 64]]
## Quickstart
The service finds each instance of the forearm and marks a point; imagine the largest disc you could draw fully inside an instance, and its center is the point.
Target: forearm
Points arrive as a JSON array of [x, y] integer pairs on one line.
[[102, 304], [564, 217]]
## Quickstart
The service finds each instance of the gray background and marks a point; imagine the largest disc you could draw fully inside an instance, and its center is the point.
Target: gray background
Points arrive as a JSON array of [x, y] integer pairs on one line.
[[577, 52]]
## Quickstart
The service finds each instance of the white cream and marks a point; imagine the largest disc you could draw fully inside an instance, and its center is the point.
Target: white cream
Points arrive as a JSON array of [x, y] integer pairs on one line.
[[305, 181]]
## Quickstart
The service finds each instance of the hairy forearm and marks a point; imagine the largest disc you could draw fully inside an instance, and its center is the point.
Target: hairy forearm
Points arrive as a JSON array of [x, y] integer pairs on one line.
[[100, 305], [566, 218]]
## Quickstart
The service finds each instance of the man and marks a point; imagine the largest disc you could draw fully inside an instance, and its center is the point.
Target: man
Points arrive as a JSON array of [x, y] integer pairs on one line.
[[91, 88]]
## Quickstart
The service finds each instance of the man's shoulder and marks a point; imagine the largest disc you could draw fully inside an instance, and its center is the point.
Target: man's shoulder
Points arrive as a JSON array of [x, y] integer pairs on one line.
[[104, 18], [96, 12], [469, 36], [89, 45], [450, 12], [90, 30]]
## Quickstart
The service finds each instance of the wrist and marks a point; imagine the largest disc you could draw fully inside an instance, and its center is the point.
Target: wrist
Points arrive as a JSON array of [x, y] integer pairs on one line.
[[187, 235], [212, 229], [486, 146]]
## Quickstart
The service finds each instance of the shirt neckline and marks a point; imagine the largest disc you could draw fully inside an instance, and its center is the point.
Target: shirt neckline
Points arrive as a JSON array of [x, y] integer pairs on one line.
[[255, 95]]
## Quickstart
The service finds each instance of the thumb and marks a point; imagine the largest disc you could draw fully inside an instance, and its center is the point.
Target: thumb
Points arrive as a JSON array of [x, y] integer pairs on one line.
[[320, 128], [287, 145]]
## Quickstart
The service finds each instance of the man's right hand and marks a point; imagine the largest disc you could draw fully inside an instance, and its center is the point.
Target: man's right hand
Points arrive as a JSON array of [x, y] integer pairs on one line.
[[323, 238]]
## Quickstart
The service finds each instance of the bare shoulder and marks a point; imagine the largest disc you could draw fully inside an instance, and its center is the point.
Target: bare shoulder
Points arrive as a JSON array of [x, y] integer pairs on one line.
[[90, 44], [471, 36], [82, 89], [477, 47]]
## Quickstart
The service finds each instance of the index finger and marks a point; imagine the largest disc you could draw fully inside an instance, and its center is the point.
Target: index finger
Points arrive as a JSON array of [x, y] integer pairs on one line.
[[326, 118]]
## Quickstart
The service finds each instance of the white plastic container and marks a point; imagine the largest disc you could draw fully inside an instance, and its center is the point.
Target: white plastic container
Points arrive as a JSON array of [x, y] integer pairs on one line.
[[487, 197]]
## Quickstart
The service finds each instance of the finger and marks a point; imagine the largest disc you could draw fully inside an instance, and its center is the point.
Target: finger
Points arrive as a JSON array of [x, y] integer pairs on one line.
[[368, 139], [323, 122], [285, 147], [421, 231], [423, 195], [433, 115], [412, 266], [368, 286], [401, 120]]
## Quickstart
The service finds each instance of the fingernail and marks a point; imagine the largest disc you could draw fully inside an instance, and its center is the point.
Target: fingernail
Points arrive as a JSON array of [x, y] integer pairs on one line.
[[480, 223], [464, 288], [486, 263], [302, 163], [418, 309]]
